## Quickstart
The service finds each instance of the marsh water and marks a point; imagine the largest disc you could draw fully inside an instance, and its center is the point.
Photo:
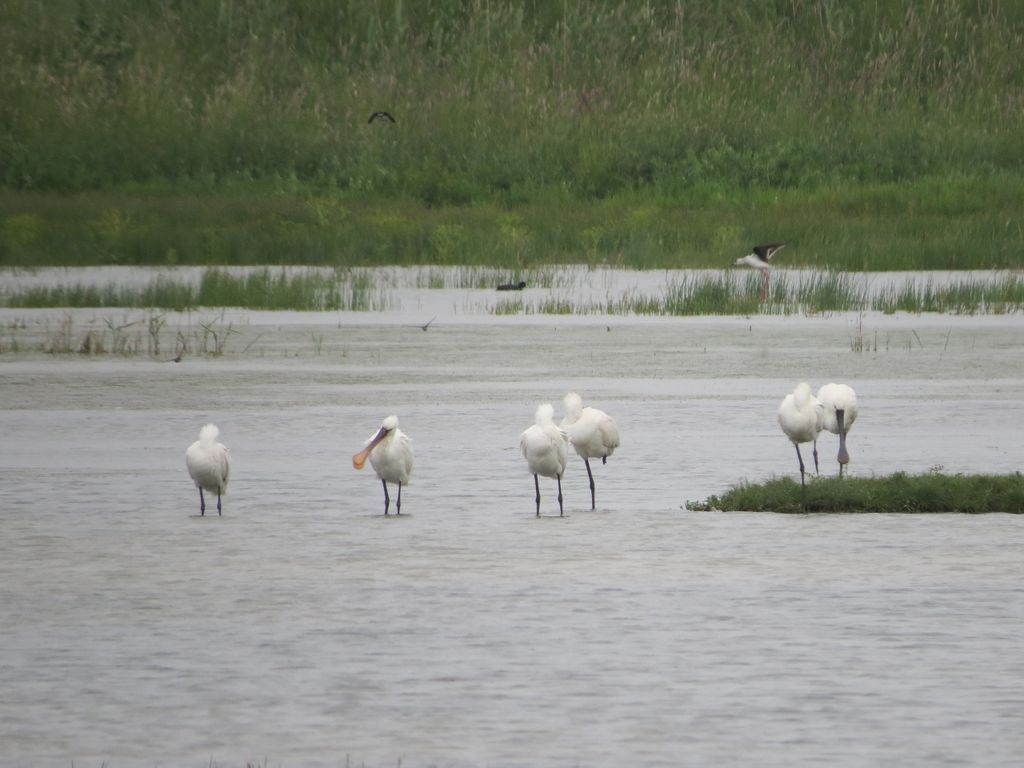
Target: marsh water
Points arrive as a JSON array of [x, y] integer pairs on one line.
[[303, 627]]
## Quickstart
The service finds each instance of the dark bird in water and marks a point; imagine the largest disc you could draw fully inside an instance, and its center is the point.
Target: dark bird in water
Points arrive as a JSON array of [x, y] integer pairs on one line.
[[512, 286], [381, 115], [759, 260]]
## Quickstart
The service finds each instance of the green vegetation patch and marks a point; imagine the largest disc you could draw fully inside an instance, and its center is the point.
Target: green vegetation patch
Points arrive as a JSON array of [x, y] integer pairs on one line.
[[502, 99], [882, 135], [843, 229], [930, 492]]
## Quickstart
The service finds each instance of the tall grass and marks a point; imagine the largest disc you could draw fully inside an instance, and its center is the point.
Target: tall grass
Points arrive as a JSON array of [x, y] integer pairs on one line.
[[645, 134], [599, 98]]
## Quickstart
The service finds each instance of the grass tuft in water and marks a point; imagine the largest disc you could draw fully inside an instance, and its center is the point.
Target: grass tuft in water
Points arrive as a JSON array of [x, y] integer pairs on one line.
[[266, 289], [300, 290], [698, 292], [932, 492], [965, 297]]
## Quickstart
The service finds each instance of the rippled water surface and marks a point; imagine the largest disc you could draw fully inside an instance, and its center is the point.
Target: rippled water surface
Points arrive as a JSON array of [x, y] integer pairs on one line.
[[305, 628]]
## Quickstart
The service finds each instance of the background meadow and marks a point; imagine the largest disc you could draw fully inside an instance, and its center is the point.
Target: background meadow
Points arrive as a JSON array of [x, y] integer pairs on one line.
[[645, 135]]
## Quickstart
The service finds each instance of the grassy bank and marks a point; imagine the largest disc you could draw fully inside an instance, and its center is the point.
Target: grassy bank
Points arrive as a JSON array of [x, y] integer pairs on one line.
[[932, 492], [662, 133], [930, 223]]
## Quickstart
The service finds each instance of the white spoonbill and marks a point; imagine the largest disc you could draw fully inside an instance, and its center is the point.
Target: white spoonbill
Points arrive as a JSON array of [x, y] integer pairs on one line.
[[545, 448], [208, 465], [759, 260], [800, 417], [592, 432], [840, 404], [390, 453]]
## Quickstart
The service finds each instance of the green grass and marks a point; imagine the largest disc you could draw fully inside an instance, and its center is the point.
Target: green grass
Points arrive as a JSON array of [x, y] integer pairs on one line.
[[898, 493], [881, 135], [273, 225], [597, 98]]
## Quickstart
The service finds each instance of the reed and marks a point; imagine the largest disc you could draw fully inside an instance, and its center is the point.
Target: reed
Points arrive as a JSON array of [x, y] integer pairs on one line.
[[965, 297], [932, 492], [301, 290], [726, 292]]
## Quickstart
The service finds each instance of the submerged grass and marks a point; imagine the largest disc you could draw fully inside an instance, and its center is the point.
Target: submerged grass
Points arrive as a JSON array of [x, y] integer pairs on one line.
[[565, 291], [964, 297], [739, 293], [260, 289], [124, 336], [897, 493]]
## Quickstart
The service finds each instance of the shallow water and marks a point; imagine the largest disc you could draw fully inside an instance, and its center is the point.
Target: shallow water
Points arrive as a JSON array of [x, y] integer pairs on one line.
[[305, 628]]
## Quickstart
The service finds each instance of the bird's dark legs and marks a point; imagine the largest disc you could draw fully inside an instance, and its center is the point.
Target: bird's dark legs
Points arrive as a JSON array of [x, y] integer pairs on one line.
[[202, 503], [816, 457], [844, 457], [398, 504], [536, 484], [593, 505], [387, 499], [218, 504], [801, 460]]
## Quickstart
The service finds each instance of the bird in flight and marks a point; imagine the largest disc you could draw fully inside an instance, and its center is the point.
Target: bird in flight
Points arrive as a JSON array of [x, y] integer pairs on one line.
[[760, 259], [381, 115]]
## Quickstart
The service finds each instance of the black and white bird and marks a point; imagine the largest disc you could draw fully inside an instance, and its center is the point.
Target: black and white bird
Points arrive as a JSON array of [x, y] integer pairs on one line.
[[381, 115], [760, 259]]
